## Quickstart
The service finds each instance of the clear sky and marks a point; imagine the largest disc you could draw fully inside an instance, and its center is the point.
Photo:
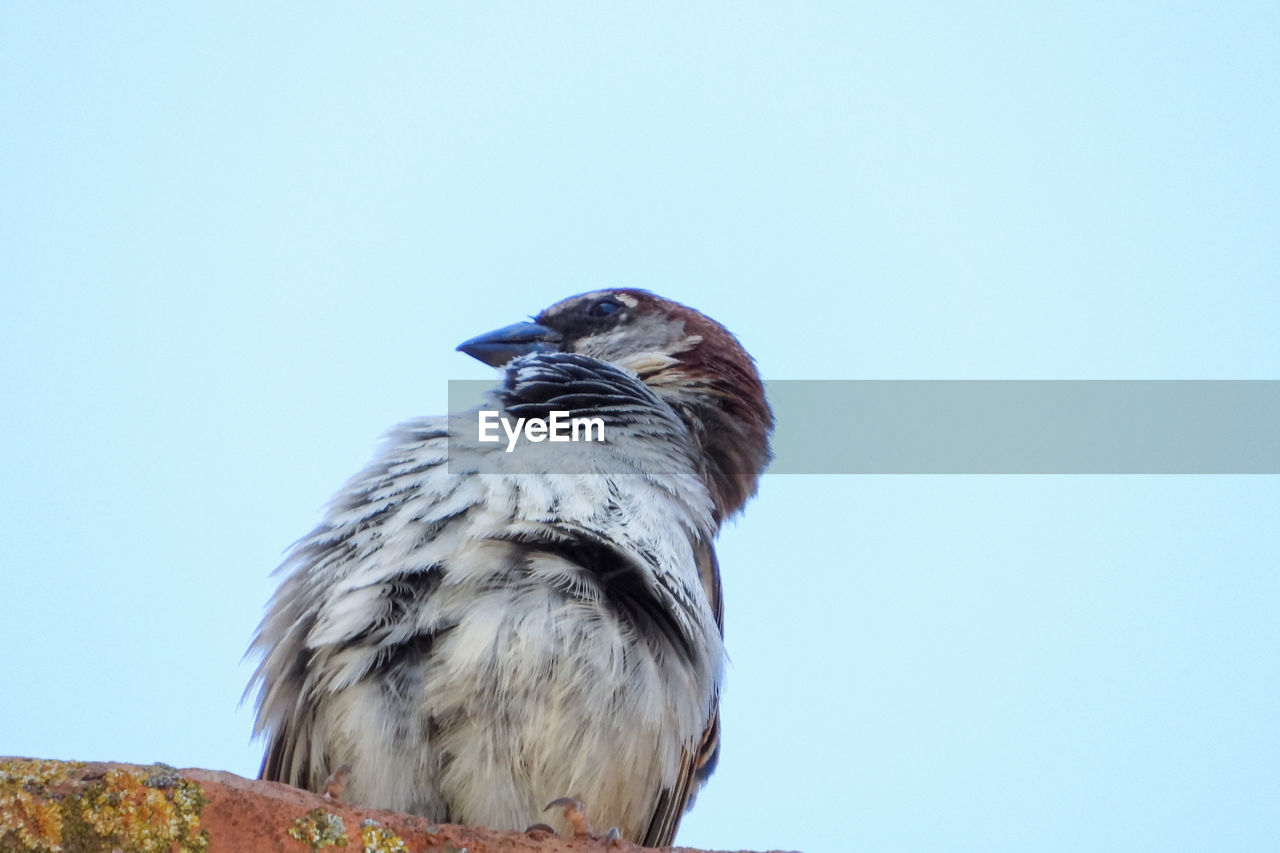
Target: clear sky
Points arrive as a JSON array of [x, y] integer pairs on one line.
[[238, 241]]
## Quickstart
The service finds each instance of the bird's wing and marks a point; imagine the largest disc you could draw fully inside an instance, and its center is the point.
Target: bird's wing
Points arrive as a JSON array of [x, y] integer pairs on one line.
[[359, 597], [347, 588], [696, 764]]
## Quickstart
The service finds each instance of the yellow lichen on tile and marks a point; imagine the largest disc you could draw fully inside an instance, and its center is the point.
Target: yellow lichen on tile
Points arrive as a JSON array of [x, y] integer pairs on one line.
[[28, 818], [319, 828], [379, 839], [117, 812], [36, 825], [43, 773], [140, 817]]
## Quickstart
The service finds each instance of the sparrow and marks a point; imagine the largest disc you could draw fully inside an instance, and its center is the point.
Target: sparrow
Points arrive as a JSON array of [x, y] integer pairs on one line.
[[478, 628]]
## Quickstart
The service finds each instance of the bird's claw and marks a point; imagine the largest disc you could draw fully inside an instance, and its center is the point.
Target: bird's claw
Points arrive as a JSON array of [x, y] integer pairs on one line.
[[575, 811], [336, 782]]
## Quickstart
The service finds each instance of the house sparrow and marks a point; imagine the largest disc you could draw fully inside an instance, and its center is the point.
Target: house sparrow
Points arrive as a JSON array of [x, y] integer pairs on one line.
[[471, 633]]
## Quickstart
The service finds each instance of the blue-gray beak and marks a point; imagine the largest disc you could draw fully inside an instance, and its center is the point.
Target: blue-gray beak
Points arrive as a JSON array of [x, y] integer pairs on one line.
[[498, 347]]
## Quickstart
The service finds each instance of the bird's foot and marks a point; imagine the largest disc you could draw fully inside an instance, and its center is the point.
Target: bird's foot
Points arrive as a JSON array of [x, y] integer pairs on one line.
[[575, 811], [336, 782]]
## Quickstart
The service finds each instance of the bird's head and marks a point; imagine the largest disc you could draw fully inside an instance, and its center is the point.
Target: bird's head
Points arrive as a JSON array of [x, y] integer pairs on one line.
[[689, 360]]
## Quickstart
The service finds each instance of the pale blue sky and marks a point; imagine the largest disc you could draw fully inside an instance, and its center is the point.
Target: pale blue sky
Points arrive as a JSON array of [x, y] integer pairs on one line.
[[240, 242]]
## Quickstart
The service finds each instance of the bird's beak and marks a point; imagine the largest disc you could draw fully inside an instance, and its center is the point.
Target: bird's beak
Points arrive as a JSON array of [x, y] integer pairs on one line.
[[498, 347]]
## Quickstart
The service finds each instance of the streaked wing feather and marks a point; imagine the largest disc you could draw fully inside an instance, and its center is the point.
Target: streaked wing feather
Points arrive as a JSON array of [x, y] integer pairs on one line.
[[697, 765]]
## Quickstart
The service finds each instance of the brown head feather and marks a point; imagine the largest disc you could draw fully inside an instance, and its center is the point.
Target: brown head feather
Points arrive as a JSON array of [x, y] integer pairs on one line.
[[692, 362]]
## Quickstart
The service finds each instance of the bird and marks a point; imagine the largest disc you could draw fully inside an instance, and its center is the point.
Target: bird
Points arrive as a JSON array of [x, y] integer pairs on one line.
[[475, 629]]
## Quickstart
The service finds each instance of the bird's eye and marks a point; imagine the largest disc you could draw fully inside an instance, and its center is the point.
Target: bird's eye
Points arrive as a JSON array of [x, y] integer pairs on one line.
[[604, 307]]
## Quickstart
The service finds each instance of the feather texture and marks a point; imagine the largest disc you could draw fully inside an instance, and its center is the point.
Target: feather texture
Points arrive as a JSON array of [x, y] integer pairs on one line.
[[476, 633]]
